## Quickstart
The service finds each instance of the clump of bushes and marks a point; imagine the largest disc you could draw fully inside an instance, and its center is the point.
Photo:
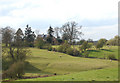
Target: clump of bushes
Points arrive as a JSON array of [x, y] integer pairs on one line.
[[39, 43], [111, 57], [86, 54], [66, 48], [16, 70], [63, 48], [69, 51], [60, 48], [76, 52], [101, 43], [85, 45], [6, 63]]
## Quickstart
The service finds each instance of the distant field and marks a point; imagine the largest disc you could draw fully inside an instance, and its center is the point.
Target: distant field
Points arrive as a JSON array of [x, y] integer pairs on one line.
[[102, 53], [43, 62]]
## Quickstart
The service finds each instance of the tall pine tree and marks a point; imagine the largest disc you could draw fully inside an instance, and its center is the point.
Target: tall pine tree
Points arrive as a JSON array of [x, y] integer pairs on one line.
[[29, 36], [50, 35]]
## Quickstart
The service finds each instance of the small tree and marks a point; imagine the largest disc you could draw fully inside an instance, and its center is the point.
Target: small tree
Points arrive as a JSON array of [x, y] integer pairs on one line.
[[60, 48], [100, 43], [114, 41], [110, 42], [89, 45], [39, 43], [65, 46], [86, 54], [84, 45], [69, 51]]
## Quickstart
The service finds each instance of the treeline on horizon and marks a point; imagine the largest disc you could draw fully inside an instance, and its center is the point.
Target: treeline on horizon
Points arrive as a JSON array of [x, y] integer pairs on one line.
[[69, 32]]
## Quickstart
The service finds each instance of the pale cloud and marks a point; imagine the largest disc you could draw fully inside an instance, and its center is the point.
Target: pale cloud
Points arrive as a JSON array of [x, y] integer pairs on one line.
[[40, 14], [96, 33]]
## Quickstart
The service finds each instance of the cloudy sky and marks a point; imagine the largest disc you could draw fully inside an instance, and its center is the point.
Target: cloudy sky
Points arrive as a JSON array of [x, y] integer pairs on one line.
[[99, 18]]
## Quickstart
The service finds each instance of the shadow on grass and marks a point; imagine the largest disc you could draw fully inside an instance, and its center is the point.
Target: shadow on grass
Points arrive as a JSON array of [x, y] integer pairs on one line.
[[92, 57], [107, 50], [93, 50], [30, 68]]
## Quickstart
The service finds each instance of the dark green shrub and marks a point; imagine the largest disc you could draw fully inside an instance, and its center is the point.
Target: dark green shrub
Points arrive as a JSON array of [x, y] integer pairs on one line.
[[84, 46], [80, 48], [39, 43], [6, 63], [111, 57], [69, 51], [16, 70], [86, 54], [60, 49], [98, 46], [89, 45], [101, 43], [76, 52], [49, 48], [65, 47]]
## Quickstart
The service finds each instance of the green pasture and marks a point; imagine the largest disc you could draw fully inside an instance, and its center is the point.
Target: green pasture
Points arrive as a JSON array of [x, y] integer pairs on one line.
[[43, 62], [98, 53], [71, 68], [91, 75]]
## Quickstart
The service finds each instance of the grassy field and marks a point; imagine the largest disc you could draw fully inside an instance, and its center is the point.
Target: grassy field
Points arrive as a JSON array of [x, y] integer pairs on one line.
[[43, 62], [102, 53], [91, 75]]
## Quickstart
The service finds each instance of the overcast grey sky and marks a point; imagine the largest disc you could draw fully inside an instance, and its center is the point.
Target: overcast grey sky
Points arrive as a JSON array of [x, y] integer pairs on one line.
[[99, 18]]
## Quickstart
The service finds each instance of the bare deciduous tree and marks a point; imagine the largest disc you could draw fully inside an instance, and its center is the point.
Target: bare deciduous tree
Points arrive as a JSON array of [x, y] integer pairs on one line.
[[56, 32], [72, 30], [7, 35]]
